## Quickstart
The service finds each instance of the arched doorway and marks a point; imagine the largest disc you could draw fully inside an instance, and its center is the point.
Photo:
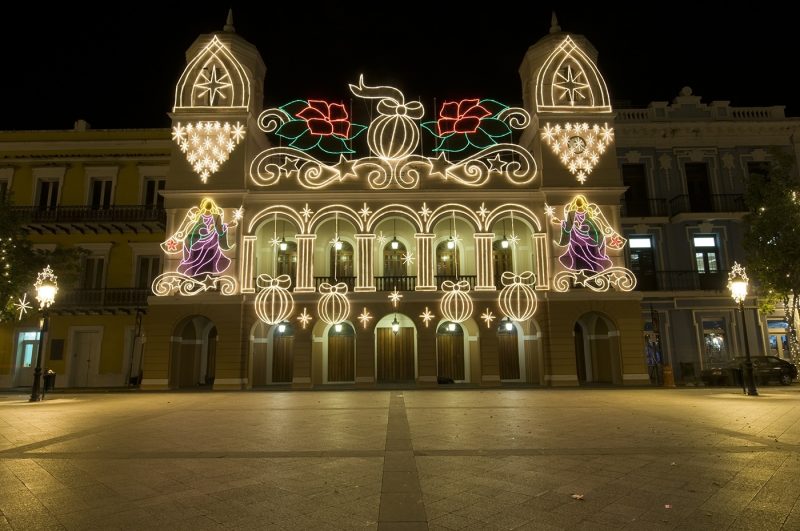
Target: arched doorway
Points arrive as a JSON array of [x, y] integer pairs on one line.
[[450, 358], [341, 356], [509, 352], [597, 351], [395, 349], [193, 356], [280, 360]]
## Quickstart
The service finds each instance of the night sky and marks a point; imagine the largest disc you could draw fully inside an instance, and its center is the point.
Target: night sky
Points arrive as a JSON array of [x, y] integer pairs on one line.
[[117, 66]]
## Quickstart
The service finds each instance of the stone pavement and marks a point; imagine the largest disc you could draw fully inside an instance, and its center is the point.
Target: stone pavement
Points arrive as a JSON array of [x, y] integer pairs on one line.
[[405, 460]]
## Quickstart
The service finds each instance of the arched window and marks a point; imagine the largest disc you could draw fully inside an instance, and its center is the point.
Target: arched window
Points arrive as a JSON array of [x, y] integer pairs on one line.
[[447, 256], [501, 254], [342, 260], [393, 265], [287, 259]]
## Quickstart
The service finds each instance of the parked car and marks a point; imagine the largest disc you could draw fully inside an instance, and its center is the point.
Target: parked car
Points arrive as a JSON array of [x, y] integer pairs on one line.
[[766, 369]]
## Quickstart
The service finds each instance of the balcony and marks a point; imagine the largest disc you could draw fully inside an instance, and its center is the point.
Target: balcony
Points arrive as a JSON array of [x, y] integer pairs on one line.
[[704, 204], [399, 283], [350, 281], [682, 281], [98, 301], [453, 278], [645, 208], [85, 219]]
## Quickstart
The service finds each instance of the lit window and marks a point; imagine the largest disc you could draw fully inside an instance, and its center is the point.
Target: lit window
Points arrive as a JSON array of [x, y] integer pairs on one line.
[[640, 242]]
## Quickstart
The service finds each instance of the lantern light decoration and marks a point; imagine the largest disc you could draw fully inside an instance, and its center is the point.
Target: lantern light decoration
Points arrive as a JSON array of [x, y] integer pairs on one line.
[[395, 325], [282, 328], [46, 287], [456, 304], [333, 306], [207, 145], [274, 303], [578, 145], [518, 299], [737, 283]]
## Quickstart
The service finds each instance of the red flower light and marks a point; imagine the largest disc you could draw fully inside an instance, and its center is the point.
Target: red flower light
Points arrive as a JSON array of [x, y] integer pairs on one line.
[[172, 245], [326, 119], [460, 117]]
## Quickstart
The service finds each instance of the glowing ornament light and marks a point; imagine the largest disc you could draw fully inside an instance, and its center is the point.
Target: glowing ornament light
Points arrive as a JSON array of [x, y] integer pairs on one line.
[[517, 299], [488, 317], [304, 318], [207, 145], [426, 316], [456, 304], [23, 305], [46, 287], [274, 303], [333, 306], [578, 145], [365, 318]]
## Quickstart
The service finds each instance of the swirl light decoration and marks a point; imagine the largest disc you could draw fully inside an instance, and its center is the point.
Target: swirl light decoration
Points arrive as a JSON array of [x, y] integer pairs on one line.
[[578, 145], [207, 145], [274, 303], [393, 139], [333, 306], [456, 304], [517, 299]]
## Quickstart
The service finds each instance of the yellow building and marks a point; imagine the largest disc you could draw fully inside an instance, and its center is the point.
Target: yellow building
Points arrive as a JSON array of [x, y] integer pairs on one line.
[[98, 190]]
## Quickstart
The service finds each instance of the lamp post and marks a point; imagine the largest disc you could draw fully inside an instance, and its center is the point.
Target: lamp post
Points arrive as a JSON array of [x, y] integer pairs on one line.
[[46, 287], [737, 284]]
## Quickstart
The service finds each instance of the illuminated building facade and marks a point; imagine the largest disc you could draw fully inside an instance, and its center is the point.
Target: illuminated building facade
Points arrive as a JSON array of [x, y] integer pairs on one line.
[[306, 245]]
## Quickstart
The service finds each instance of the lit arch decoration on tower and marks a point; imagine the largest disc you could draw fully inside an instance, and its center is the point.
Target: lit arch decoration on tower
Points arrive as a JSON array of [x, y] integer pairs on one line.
[[569, 81], [200, 241], [393, 139], [585, 234], [578, 146], [213, 79]]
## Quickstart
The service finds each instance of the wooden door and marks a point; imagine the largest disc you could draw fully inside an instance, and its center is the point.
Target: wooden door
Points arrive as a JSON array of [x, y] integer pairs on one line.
[[341, 358], [450, 355], [508, 352], [282, 361], [395, 355], [85, 358]]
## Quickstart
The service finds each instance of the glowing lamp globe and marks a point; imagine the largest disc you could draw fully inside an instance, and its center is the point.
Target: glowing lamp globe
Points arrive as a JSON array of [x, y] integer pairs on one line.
[[283, 244], [504, 243], [46, 287], [282, 328], [338, 328], [509, 326], [737, 283], [450, 243], [395, 325], [395, 244], [451, 327]]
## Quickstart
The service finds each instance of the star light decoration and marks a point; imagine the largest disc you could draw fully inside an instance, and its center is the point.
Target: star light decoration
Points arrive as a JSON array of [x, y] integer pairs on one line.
[[304, 318], [365, 318], [381, 239], [238, 213], [395, 297], [365, 212], [408, 258], [306, 212], [578, 145], [426, 316], [513, 239], [488, 317], [571, 85], [207, 145], [425, 211], [213, 84], [23, 305]]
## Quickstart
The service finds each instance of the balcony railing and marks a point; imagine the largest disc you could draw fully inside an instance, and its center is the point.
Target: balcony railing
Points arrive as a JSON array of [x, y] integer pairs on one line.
[[350, 281], [69, 214], [645, 208], [101, 298], [682, 281], [710, 203], [400, 283], [453, 278]]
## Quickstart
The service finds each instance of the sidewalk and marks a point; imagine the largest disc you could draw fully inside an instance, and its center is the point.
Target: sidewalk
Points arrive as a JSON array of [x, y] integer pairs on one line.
[[463, 459]]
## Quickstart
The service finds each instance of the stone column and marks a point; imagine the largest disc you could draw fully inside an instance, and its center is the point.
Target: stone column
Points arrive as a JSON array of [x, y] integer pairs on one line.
[[365, 281], [484, 261], [305, 263], [425, 262]]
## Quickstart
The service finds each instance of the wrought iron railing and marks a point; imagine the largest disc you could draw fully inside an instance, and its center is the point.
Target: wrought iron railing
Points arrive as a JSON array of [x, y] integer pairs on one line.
[[399, 283], [453, 278], [73, 214], [682, 281], [102, 298], [645, 208], [712, 203], [350, 281]]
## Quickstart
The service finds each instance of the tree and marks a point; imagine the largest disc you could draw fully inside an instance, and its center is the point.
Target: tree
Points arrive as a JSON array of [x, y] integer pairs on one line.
[[20, 263], [772, 240]]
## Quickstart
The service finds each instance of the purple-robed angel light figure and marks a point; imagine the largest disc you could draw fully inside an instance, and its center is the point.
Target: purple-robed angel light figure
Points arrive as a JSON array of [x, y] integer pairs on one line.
[[204, 242], [584, 232]]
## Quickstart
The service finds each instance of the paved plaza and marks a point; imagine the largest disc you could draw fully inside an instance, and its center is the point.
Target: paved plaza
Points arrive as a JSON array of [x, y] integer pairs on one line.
[[413, 459]]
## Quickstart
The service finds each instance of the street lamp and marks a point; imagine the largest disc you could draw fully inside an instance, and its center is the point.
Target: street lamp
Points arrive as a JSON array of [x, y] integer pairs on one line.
[[46, 287], [737, 284]]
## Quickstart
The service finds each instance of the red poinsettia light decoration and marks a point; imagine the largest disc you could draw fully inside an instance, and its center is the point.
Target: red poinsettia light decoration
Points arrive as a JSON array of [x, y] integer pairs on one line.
[[326, 119], [461, 117]]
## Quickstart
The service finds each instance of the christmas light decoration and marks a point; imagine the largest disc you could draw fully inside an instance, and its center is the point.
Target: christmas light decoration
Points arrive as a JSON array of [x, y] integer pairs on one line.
[[408, 258], [393, 138], [304, 318], [213, 78], [23, 305], [488, 317], [578, 145], [517, 299], [456, 304], [586, 234], [737, 282], [207, 145], [365, 318], [201, 239], [333, 306], [426, 316], [395, 297], [274, 303], [46, 287], [569, 81]]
